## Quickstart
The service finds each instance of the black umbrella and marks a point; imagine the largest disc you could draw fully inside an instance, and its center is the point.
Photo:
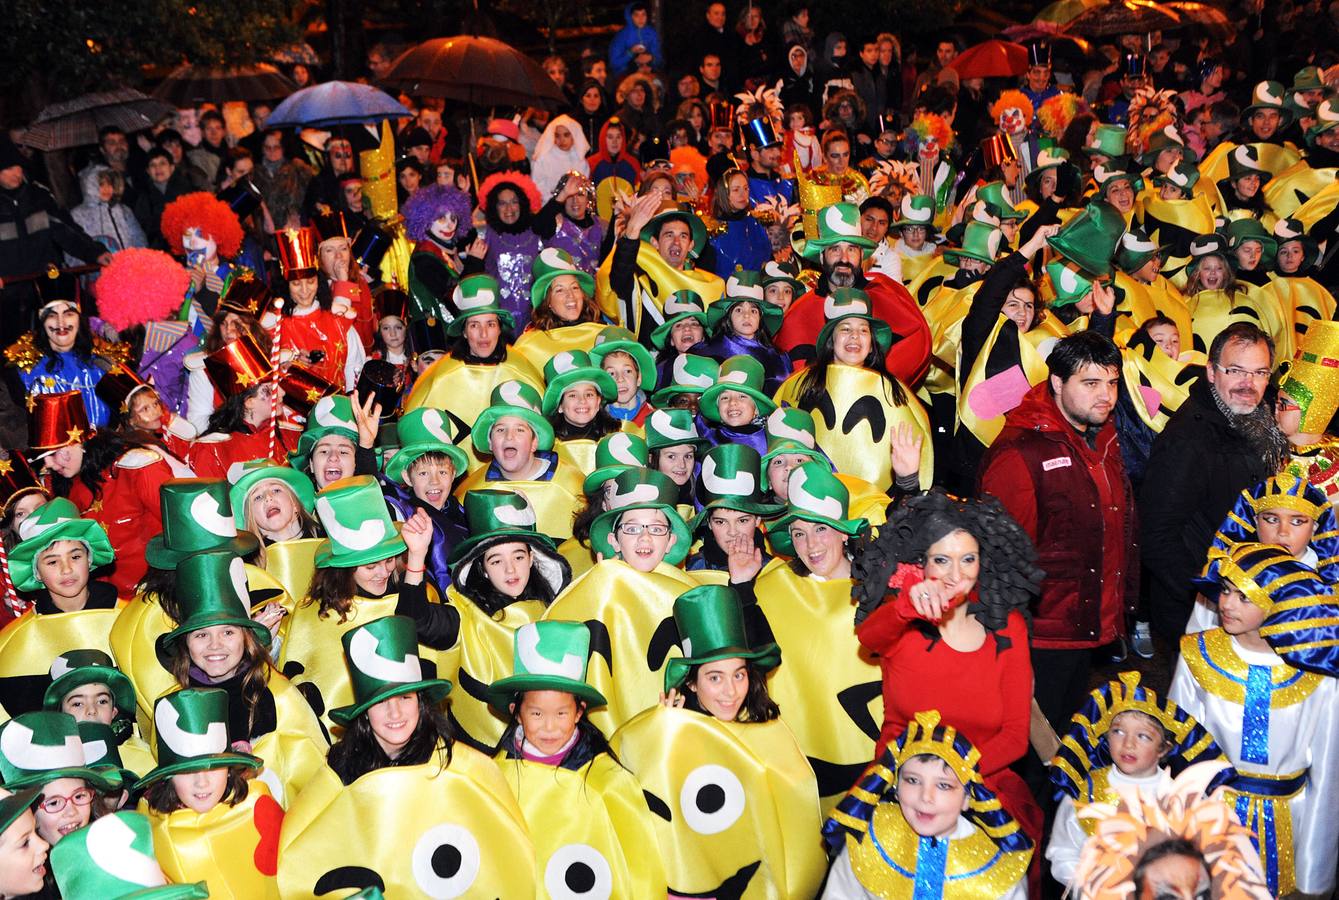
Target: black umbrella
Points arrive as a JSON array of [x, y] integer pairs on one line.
[[75, 123], [480, 71], [190, 85]]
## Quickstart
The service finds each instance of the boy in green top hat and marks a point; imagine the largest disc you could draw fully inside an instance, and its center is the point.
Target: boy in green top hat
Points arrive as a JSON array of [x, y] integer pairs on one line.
[[674, 445], [685, 323], [792, 440], [23, 853], [42, 749], [641, 524], [1322, 134], [633, 369], [57, 552], [1178, 182], [742, 323], [721, 673], [113, 859], [816, 509], [781, 283], [738, 404], [730, 489], [687, 379], [338, 440], [86, 684], [981, 244]]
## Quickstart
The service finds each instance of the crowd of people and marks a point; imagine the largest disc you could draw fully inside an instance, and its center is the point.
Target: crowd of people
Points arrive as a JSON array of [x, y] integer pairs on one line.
[[792, 469]]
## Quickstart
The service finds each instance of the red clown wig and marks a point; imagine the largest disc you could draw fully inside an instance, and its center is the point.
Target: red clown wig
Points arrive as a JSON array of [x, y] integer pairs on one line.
[[211, 215]]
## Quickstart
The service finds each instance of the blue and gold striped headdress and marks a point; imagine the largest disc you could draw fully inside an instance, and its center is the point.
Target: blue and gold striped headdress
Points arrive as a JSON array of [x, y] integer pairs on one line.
[[1283, 491], [1083, 749], [925, 735]]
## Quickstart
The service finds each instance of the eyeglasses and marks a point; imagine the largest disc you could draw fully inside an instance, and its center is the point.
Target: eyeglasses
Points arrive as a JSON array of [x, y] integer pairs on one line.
[[1238, 373], [55, 803], [339, 154], [654, 530]]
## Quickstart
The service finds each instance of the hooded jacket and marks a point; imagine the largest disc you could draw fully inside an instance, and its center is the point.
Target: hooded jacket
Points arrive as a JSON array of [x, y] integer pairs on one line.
[[602, 165], [1076, 504], [629, 36], [548, 163], [111, 224]]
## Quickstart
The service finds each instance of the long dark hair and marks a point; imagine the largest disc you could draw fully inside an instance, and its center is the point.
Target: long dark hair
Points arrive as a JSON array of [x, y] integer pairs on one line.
[[333, 589], [758, 705], [230, 417], [461, 350], [82, 349], [161, 585], [814, 381], [358, 752], [162, 796], [480, 590], [100, 452], [323, 295], [603, 424], [255, 668]]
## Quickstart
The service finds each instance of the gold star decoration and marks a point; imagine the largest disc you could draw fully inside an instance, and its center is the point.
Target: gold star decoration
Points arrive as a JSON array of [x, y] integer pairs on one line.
[[313, 395], [245, 380], [32, 402], [6, 467], [75, 434], [95, 508]]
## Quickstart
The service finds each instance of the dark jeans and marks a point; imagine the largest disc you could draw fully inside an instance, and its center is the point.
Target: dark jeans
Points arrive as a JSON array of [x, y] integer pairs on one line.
[[1060, 683]]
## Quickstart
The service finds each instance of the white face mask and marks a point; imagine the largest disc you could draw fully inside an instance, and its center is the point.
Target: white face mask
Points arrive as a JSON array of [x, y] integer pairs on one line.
[[197, 245], [444, 228]]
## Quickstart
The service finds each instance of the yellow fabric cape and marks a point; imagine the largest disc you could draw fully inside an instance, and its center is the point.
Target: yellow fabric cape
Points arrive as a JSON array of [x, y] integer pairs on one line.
[[538, 347], [554, 500], [1287, 191], [30, 643], [970, 411], [654, 283]]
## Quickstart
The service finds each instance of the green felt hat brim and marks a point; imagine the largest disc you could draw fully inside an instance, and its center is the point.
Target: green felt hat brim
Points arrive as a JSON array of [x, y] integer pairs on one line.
[[554, 390], [301, 485], [596, 479], [660, 336], [163, 645], [463, 552], [20, 801], [766, 405], [958, 254], [123, 691], [328, 558], [720, 310], [434, 690], [786, 445], [646, 364], [663, 396], [299, 458], [799, 287], [126, 777], [737, 504], [399, 464], [484, 424], [814, 247], [1129, 264], [696, 228], [882, 331], [601, 531], [95, 779], [658, 442], [456, 327], [779, 531], [503, 692], [23, 558], [930, 229], [540, 288], [160, 556], [765, 658], [200, 764]]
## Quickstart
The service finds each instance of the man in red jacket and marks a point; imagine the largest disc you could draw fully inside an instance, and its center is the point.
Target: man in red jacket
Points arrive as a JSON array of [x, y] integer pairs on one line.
[[1057, 469]]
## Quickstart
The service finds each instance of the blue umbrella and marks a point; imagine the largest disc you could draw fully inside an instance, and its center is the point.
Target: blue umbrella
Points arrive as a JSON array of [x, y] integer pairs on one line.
[[336, 103]]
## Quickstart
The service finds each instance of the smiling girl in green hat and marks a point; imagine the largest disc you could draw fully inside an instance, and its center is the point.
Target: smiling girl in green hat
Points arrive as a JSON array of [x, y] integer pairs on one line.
[[576, 393], [734, 408], [742, 323], [566, 314], [675, 444]]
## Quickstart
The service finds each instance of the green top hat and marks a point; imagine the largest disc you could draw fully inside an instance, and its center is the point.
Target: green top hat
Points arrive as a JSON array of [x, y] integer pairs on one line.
[[614, 453], [1239, 231], [191, 735], [478, 295], [672, 428], [1269, 95], [113, 859], [744, 286], [512, 398], [500, 516], [213, 591], [997, 203], [679, 305], [382, 658], [1071, 283], [1167, 138], [616, 339], [979, 241], [36, 748], [791, 430], [1108, 140], [568, 368], [1203, 245], [1291, 229], [731, 478], [673, 213], [55, 520], [788, 272], [101, 753], [816, 495], [547, 656], [916, 209], [738, 373], [1327, 118], [424, 430], [197, 515], [76, 668], [710, 620], [243, 476], [548, 265], [1114, 172], [358, 527], [1135, 250], [331, 415], [1308, 78], [1245, 160], [1183, 175], [853, 303], [14, 802], [641, 489], [1089, 240], [689, 374], [837, 224], [1068, 178]]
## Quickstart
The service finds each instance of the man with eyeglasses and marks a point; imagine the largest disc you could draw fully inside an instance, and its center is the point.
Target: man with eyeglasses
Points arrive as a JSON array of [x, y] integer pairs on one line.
[[1221, 440]]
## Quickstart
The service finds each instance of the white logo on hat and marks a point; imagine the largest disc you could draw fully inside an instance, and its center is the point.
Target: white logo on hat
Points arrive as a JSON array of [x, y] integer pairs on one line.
[[236, 471], [741, 485], [675, 305], [620, 448], [1328, 111], [60, 666], [364, 656], [777, 428], [1044, 158], [184, 743], [1134, 244], [433, 423], [206, 513], [642, 493], [736, 290], [833, 221], [663, 423], [564, 362], [16, 743], [511, 394], [31, 527], [324, 413], [735, 376], [981, 213], [527, 648], [552, 257], [111, 847], [94, 751], [687, 646], [366, 536], [482, 297], [1177, 177], [1069, 280], [683, 377], [828, 507], [1266, 97], [1285, 231], [1243, 155], [852, 307], [522, 516], [237, 574]]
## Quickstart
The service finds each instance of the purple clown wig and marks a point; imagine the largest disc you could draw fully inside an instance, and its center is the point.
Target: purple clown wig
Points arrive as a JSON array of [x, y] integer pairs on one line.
[[430, 203]]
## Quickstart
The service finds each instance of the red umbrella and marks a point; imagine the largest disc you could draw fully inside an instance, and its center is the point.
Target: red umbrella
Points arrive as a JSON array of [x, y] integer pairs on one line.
[[991, 59]]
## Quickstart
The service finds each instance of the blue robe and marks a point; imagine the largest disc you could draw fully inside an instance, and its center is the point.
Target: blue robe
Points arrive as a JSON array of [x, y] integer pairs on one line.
[[775, 362], [743, 244], [70, 374]]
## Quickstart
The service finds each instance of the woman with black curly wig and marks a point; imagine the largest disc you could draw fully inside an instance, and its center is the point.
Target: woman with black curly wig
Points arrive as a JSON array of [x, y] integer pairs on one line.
[[510, 201], [942, 596]]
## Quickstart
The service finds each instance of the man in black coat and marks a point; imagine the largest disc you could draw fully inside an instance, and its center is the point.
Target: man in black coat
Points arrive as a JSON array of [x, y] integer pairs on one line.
[[1222, 440]]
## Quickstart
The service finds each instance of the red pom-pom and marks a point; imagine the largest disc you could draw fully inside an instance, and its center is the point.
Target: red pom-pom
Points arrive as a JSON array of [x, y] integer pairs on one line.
[[515, 180], [208, 213], [140, 285], [904, 576]]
